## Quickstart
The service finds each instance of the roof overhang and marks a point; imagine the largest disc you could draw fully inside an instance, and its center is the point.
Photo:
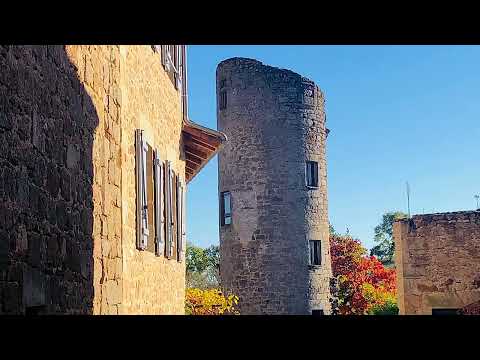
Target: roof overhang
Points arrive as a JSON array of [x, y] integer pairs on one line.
[[200, 145]]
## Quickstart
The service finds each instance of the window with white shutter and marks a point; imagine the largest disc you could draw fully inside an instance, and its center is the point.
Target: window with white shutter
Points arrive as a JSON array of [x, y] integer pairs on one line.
[[141, 177], [159, 219], [173, 62]]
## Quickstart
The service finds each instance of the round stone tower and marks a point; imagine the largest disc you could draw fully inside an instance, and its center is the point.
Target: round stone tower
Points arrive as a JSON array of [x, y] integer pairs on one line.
[[274, 233]]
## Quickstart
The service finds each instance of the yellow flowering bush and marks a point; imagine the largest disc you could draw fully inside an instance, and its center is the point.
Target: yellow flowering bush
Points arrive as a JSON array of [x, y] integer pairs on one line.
[[209, 302]]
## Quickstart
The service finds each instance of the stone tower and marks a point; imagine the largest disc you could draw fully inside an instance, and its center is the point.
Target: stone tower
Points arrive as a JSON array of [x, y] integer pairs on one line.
[[274, 233]]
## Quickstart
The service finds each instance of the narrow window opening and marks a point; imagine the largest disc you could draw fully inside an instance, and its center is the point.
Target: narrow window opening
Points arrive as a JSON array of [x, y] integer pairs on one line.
[[312, 174], [226, 208], [35, 310], [445, 311], [317, 312], [223, 100], [315, 252]]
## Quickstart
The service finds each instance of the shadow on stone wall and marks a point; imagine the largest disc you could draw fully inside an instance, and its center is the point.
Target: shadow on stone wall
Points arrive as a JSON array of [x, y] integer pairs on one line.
[[47, 122]]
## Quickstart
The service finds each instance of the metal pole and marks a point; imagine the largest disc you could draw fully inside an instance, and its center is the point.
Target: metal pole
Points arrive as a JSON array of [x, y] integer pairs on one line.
[[408, 199]]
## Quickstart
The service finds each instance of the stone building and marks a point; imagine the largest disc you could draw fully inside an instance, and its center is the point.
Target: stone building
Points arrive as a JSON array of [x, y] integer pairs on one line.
[[437, 259], [274, 235], [96, 149]]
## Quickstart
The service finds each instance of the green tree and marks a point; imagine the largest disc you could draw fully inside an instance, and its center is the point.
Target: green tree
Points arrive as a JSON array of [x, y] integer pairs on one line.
[[385, 248], [202, 268], [331, 229]]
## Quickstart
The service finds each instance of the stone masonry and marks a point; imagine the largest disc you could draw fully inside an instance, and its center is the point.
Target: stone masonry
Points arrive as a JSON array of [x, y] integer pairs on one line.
[[275, 122], [437, 260], [67, 179]]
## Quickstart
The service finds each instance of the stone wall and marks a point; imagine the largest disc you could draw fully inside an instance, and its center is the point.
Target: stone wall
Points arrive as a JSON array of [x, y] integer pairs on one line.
[[437, 260], [67, 179], [152, 285], [275, 121]]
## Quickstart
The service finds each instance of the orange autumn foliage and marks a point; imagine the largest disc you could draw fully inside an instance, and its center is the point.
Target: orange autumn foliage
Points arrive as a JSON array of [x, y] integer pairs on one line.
[[361, 284]]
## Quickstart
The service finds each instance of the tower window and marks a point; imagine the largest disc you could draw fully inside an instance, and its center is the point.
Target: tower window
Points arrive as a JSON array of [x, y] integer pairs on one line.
[[315, 252], [226, 208], [312, 174], [223, 100], [317, 312]]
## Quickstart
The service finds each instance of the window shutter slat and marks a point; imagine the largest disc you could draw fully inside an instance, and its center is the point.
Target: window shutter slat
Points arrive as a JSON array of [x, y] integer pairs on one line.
[[165, 62], [159, 221], [144, 192], [142, 216], [168, 210], [171, 177], [178, 66], [179, 217]]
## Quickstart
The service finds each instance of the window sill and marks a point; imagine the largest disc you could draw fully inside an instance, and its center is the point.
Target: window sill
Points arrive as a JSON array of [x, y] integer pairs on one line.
[[312, 187], [314, 267]]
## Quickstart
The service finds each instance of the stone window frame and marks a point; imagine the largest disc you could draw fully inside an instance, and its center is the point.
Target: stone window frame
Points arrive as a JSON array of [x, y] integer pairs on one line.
[[311, 178], [312, 252], [223, 214]]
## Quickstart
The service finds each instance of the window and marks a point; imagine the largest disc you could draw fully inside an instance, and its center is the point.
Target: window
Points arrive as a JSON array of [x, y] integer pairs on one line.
[[150, 209], [315, 252], [223, 100], [173, 62], [226, 208], [445, 311], [317, 312], [35, 310], [312, 174]]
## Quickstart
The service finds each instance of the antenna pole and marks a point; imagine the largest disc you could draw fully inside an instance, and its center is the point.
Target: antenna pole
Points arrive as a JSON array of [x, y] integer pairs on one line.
[[408, 199], [477, 197]]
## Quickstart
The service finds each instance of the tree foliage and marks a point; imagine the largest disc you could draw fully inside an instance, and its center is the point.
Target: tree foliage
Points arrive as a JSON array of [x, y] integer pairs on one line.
[[385, 248], [361, 284], [202, 267], [210, 302]]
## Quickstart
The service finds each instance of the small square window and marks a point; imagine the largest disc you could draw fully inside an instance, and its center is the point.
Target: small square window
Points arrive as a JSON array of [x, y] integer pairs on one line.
[[311, 173], [317, 312], [315, 252], [226, 208]]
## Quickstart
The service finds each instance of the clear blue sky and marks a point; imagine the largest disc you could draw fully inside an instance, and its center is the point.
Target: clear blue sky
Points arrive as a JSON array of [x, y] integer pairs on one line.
[[396, 114]]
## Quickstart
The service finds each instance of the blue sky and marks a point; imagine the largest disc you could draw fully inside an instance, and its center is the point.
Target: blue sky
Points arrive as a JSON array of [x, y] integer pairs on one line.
[[396, 114]]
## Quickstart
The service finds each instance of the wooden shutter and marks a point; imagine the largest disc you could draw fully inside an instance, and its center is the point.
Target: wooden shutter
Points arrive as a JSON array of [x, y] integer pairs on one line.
[[159, 220], [169, 208], [165, 60], [141, 174], [315, 174], [178, 66]]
